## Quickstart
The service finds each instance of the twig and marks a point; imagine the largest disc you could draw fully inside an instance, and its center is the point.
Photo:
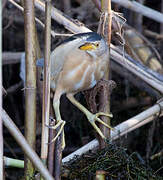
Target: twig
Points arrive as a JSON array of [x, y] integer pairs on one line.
[[121, 129], [25, 146], [30, 91], [46, 84], [139, 8]]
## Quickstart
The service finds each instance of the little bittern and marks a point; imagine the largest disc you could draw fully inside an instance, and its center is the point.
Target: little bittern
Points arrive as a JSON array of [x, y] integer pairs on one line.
[[78, 64]]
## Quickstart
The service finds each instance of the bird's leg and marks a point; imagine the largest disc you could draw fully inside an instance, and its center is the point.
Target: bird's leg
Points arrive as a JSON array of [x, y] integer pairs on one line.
[[91, 117], [60, 122]]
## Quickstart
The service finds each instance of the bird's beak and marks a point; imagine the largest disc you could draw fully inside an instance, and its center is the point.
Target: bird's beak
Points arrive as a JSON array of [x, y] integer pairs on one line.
[[87, 46]]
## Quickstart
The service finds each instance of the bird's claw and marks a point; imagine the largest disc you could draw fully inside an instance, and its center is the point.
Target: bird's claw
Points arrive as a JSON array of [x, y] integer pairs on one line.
[[60, 123], [95, 117], [103, 114], [102, 122]]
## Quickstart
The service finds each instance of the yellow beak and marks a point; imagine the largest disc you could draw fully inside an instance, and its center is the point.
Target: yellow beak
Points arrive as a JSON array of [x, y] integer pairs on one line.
[[87, 46]]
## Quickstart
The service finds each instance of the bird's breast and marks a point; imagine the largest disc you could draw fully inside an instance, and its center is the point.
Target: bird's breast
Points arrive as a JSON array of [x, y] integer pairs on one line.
[[79, 72]]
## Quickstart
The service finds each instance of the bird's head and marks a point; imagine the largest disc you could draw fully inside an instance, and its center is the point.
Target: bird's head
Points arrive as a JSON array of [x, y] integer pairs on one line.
[[90, 42], [93, 43]]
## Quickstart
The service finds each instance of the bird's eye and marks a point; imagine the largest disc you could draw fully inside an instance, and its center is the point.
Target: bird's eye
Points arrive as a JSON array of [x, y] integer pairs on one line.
[[97, 44]]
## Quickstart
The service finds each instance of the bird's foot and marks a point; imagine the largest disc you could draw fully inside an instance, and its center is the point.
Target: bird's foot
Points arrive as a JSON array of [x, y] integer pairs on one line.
[[60, 123], [95, 117]]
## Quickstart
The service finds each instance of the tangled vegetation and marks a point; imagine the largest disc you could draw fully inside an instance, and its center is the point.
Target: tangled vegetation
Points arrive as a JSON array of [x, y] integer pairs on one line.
[[116, 163]]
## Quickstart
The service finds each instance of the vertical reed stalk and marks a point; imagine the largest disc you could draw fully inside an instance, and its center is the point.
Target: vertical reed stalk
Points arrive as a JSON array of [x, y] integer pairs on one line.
[[50, 162], [104, 94], [1, 133], [30, 84], [46, 84]]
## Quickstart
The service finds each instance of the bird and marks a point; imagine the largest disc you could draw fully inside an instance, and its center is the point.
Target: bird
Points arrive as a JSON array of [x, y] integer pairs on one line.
[[77, 64]]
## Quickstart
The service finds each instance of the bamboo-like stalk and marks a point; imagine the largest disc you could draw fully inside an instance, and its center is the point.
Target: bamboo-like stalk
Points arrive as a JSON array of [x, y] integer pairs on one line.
[[1, 129], [122, 129], [30, 84], [104, 95], [10, 162], [9, 124], [46, 84]]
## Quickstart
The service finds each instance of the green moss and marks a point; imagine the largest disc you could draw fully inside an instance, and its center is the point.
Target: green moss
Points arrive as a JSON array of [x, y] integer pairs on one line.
[[115, 161]]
